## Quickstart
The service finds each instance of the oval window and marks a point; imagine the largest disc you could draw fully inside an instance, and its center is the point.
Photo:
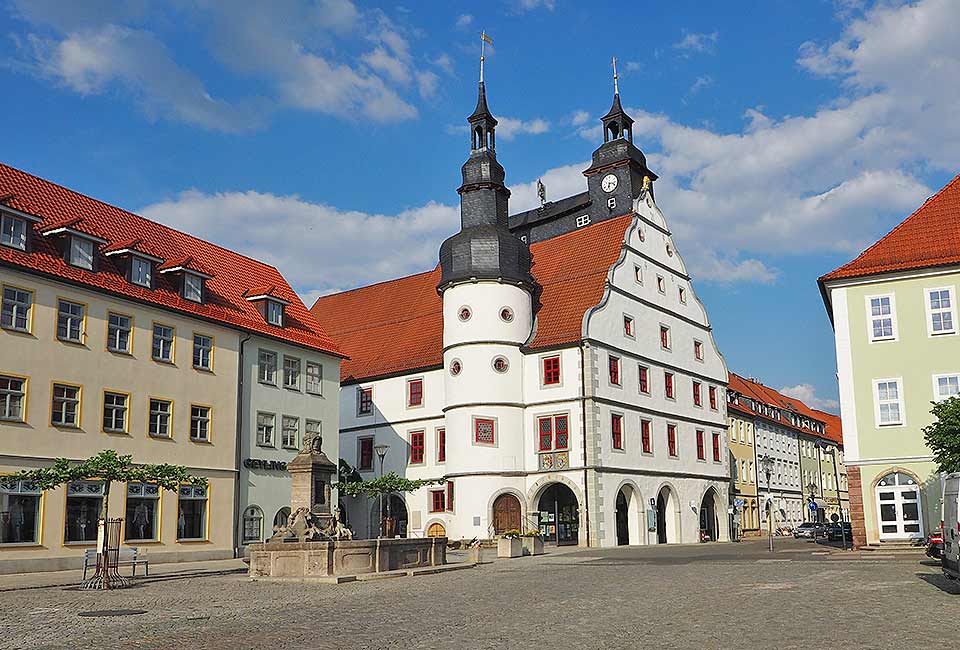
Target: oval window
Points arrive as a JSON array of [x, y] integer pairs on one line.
[[500, 364], [669, 250], [506, 315], [455, 367], [465, 313]]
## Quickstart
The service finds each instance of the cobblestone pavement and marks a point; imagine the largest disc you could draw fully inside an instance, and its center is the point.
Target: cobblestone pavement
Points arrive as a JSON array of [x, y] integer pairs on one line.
[[703, 597]]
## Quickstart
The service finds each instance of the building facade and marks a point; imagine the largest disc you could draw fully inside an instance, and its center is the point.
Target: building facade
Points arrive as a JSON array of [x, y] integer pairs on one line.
[[119, 333], [893, 310], [556, 368], [743, 471]]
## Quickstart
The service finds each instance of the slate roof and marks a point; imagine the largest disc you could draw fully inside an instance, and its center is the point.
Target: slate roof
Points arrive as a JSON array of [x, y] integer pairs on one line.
[[928, 237], [550, 210], [396, 327], [766, 395], [232, 274]]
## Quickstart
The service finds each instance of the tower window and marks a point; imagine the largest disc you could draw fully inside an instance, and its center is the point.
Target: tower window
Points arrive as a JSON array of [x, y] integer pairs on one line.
[[506, 315], [464, 313], [500, 364], [456, 367]]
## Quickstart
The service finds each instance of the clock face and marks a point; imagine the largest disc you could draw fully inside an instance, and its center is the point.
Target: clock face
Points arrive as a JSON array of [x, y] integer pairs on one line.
[[609, 183]]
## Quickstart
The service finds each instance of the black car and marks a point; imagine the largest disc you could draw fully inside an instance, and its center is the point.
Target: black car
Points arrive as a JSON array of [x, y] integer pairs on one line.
[[836, 534]]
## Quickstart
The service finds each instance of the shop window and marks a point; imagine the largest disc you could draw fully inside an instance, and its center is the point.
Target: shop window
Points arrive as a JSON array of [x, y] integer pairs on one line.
[[142, 517], [20, 508], [84, 500], [192, 512]]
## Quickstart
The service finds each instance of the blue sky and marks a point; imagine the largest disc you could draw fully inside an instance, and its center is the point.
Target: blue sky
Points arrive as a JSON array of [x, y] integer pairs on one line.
[[326, 137]]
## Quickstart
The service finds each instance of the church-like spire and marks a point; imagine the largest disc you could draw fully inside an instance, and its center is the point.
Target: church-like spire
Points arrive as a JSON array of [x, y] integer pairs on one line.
[[483, 124], [616, 123]]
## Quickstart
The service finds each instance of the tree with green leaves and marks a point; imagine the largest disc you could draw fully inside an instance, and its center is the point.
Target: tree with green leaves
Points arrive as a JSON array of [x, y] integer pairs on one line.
[[109, 467], [943, 434], [383, 486]]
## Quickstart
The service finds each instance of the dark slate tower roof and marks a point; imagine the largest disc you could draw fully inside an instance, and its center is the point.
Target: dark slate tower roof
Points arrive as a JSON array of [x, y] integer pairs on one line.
[[484, 249]]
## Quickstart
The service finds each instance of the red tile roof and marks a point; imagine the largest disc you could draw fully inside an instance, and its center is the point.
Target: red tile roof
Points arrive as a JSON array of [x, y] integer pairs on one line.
[[233, 274], [397, 326], [766, 395], [928, 237]]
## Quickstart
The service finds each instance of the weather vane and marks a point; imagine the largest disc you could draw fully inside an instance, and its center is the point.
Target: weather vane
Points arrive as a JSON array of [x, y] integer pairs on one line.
[[541, 192], [483, 39], [616, 89]]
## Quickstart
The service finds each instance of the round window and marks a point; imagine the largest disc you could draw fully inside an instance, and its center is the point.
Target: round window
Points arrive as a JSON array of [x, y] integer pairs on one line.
[[455, 367], [643, 236], [465, 313], [500, 364], [506, 315], [669, 250]]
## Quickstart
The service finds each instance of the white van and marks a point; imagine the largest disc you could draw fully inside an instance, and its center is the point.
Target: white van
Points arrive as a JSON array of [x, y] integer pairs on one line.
[[951, 526]]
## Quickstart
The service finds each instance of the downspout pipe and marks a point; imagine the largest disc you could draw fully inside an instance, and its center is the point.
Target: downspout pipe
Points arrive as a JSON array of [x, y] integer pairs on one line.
[[583, 429], [239, 452]]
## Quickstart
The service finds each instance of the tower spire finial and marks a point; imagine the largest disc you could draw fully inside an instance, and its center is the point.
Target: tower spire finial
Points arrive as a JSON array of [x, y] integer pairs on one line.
[[483, 40], [616, 88]]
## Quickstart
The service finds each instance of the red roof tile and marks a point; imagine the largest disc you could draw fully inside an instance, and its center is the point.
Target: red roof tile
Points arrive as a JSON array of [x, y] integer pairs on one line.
[[928, 237], [232, 273], [397, 326], [766, 395]]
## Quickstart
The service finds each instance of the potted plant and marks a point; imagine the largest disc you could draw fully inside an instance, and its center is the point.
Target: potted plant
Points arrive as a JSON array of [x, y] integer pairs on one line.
[[532, 542], [509, 544]]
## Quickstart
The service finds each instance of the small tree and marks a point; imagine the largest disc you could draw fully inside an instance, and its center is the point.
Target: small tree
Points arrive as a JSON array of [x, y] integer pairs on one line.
[[387, 484], [943, 435], [108, 466]]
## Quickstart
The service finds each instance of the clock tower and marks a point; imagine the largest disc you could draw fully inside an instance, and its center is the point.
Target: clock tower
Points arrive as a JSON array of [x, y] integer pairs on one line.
[[616, 176]]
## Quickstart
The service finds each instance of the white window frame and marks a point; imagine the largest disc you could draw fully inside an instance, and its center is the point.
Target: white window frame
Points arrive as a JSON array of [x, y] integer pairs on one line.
[[13, 231], [264, 440], [164, 418], [114, 330], [200, 420], [10, 396], [206, 351], [118, 410], [930, 311], [263, 379], [78, 252], [192, 287], [937, 397], [19, 308], [899, 401], [141, 271], [893, 318], [274, 313], [285, 441], [71, 320], [319, 377], [294, 385]]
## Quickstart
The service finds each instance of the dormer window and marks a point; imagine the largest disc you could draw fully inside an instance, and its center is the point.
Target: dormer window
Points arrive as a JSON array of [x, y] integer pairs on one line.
[[141, 272], [274, 313], [13, 231], [192, 287], [80, 253]]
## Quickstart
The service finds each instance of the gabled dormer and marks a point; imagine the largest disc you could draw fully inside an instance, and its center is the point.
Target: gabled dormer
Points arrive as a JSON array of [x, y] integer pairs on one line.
[[75, 242], [188, 276], [270, 304], [15, 226], [138, 266]]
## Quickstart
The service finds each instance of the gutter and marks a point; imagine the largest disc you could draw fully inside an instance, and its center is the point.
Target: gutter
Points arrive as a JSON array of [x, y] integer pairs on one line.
[[239, 452]]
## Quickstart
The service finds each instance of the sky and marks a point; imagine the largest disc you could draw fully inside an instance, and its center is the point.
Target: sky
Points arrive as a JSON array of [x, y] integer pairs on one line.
[[326, 137]]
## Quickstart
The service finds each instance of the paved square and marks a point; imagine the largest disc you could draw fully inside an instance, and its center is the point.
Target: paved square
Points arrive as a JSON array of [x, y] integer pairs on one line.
[[703, 596]]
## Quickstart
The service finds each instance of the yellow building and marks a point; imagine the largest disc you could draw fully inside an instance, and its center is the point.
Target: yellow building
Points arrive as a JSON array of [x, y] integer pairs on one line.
[[119, 333]]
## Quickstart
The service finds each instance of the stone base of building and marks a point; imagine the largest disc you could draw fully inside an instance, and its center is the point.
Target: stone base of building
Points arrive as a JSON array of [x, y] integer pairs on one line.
[[857, 522], [305, 560]]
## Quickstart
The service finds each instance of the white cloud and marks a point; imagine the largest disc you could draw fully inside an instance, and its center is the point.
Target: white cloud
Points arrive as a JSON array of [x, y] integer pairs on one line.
[[699, 84], [693, 42], [509, 128], [445, 63], [807, 394], [580, 117], [530, 5], [352, 248], [464, 20]]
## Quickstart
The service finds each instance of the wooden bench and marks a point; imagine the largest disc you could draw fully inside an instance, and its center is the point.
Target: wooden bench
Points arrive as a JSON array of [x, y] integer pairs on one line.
[[128, 557]]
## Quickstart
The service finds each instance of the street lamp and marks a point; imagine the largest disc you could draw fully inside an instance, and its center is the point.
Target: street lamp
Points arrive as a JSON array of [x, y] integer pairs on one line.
[[382, 450], [766, 464], [828, 449], [813, 499]]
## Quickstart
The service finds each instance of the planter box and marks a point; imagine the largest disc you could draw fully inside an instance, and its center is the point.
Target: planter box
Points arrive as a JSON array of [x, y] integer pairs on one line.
[[509, 547], [533, 546]]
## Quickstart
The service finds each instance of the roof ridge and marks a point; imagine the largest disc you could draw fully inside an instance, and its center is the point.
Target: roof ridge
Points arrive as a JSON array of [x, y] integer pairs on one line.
[[375, 284]]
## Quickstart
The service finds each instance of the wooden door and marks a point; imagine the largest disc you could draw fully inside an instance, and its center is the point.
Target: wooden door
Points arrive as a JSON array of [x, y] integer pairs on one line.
[[506, 513]]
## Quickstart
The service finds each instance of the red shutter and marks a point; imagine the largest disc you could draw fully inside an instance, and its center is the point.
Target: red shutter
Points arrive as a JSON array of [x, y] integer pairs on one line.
[[438, 500], [614, 370], [415, 393], [716, 447], [645, 435], [366, 453], [672, 439], [545, 442], [713, 397], [616, 428], [551, 370], [701, 454], [484, 431], [450, 496], [441, 445], [416, 447], [664, 337], [644, 380], [668, 384], [697, 399], [562, 433]]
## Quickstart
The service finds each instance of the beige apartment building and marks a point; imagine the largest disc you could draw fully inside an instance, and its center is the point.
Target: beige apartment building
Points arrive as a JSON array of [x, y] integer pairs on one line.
[[119, 333]]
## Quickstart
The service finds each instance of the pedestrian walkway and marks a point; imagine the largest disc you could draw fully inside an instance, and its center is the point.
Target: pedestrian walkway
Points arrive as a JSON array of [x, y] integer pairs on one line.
[[158, 572]]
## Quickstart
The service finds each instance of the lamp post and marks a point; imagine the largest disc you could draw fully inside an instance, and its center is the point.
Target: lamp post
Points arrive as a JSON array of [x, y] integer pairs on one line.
[[766, 463], [827, 449], [813, 499], [381, 450]]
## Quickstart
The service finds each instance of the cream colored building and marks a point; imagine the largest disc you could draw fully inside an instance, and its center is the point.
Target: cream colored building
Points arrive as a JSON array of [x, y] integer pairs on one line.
[[119, 333]]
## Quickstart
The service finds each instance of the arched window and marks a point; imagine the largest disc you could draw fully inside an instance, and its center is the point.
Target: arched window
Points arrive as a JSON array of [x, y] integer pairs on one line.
[[252, 525], [280, 519], [436, 529]]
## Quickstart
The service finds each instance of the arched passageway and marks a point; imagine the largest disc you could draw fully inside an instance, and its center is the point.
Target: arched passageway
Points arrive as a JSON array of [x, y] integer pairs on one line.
[[668, 516], [559, 515], [709, 524], [628, 516]]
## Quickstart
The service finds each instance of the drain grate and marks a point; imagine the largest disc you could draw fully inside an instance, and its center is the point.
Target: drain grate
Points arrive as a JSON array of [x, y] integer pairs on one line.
[[98, 613]]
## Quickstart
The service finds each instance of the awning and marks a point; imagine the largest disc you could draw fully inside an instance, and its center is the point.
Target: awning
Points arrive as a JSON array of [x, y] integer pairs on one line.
[[820, 503]]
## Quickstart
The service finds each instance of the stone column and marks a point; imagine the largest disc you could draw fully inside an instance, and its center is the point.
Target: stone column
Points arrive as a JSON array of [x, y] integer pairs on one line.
[[855, 494]]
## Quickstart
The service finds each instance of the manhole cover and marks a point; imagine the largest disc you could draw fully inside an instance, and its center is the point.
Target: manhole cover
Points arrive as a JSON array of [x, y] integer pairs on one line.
[[112, 612]]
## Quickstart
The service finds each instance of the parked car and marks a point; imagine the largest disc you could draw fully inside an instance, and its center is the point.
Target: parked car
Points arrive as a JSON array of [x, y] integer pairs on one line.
[[836, 534], [809, 530], [935, 545]]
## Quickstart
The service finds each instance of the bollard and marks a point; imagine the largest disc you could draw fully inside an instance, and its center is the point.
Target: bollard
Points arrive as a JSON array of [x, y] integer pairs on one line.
[[476, 554]]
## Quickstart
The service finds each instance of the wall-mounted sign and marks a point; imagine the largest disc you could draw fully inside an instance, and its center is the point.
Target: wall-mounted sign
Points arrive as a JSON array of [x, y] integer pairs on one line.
[[257, 463]]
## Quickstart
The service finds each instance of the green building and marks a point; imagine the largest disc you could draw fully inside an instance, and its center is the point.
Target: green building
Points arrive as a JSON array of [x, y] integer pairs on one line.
[[895, 323]]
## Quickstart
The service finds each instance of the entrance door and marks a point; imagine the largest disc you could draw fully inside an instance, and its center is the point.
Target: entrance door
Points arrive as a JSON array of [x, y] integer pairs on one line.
[[559, 515], [623, 526], [506, 514], [898, 507], [661, 518]]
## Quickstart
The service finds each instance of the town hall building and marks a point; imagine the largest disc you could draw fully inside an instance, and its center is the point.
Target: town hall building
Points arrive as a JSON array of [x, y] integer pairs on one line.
[[556, 368]]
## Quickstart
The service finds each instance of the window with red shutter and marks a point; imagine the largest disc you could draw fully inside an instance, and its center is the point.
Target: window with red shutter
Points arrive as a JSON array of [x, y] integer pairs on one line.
[[415, 392], [644, 379], [672, 439], [614, 363], [416, 447], [645, 436], [450, 496], [441, 445], [713, 397], [551, 370], [552, 433], [698, 350], [627, 326], [697, 398], [483, 431], [546, 434], [668, 384], [438, 500], [561, 440], [701, 454], [366, 453], [664, 337], [616, 430], [716, 447], [365, 401]]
